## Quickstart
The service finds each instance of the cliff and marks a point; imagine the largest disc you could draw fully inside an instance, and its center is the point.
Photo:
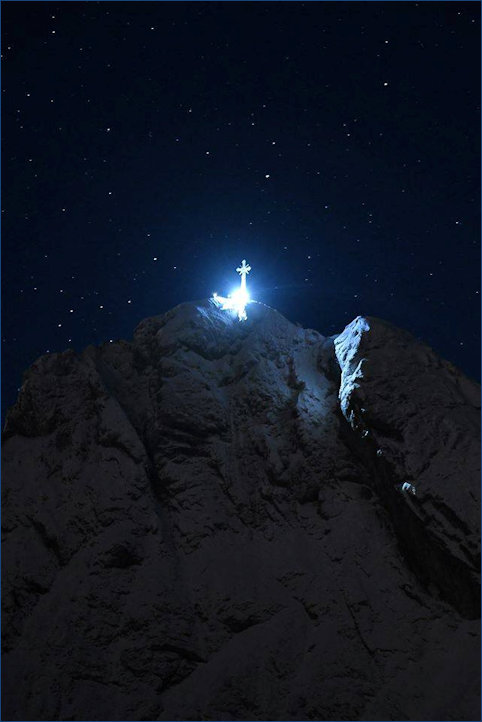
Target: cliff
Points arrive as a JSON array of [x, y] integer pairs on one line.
[[208, 522]]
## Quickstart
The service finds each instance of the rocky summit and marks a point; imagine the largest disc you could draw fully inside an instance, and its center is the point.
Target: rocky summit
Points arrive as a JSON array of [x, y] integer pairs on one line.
[[226, 520]]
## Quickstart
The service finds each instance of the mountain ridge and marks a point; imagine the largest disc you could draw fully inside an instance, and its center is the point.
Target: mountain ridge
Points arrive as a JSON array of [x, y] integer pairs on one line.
[[208, 522]]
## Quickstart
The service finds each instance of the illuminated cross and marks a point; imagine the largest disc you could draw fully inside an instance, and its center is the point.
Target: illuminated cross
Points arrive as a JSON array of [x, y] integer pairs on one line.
[[243, 271], [238, 299]]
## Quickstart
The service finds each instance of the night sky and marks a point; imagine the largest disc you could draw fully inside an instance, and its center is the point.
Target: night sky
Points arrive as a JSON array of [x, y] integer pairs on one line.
[[148, 147]]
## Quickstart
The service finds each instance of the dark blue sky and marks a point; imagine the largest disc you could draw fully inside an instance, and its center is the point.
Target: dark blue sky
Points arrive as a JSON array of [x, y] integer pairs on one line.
[[335, 145]]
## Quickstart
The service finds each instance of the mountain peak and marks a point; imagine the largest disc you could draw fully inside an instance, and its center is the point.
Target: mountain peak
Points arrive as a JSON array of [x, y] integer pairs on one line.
[[212, 518]]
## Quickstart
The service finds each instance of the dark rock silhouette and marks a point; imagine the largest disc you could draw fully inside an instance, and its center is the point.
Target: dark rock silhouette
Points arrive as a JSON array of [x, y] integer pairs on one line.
[[209, 523]]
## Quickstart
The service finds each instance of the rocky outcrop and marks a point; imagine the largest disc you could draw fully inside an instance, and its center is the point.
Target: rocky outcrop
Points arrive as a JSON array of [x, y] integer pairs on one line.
[[208, 523], [416, 420]]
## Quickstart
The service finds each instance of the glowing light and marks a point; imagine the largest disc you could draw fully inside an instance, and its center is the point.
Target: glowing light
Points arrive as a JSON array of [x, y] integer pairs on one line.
[[239, 298]]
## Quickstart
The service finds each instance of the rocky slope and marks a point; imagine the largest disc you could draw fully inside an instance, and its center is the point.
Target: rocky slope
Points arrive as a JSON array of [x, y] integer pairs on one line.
[[208, 523]]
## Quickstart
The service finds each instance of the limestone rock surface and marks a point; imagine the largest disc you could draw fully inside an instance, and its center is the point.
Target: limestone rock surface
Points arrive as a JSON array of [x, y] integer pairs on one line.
[[208, 523]]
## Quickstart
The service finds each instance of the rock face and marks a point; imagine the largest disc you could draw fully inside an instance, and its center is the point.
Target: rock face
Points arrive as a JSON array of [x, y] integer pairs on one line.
[[208, 523]]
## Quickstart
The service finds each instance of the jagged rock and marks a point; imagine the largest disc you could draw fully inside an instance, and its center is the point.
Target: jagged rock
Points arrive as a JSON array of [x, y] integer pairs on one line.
[[208, 523]]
